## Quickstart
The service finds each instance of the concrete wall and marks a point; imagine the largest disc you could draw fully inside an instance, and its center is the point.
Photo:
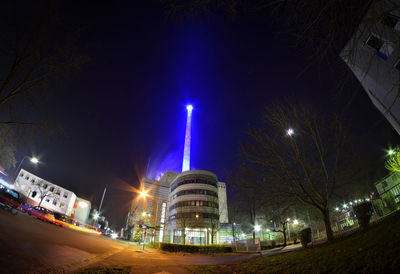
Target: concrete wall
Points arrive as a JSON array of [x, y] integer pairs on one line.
[[375, 69]]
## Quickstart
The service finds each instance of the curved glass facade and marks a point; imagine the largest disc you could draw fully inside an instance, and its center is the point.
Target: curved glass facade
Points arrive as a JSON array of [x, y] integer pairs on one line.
[[194, 180], [195, 192], [194, 203], [194, 215]]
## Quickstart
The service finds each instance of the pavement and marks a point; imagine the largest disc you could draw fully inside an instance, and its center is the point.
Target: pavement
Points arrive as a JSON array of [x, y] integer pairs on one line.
[[29, 245]]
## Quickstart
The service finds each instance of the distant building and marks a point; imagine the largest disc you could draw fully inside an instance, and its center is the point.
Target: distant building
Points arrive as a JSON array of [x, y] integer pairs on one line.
[[389, 187], [52, 196], [373, 54], [81, 210], [191, 204]]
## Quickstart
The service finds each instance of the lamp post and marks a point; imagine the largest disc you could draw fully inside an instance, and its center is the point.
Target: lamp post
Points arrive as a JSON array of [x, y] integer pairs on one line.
[[33, 160]]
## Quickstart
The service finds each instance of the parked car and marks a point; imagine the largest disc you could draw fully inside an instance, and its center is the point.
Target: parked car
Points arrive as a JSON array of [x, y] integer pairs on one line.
[[25, 207], [10, 199], [42, 214]]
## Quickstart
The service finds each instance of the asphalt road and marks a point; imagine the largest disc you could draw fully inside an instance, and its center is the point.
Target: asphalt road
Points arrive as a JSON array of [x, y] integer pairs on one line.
[[30, 245]]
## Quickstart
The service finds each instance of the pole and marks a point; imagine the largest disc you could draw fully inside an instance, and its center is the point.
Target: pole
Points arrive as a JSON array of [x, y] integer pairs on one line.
[[18, 168], [102, 198], [288, 228]]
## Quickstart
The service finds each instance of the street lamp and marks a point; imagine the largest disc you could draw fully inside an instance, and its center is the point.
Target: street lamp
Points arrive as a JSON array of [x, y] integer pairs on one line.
[[289, 132], [143, 193], [33, 160], [295, 222], [257, 228], [96, 216], [391, 152]]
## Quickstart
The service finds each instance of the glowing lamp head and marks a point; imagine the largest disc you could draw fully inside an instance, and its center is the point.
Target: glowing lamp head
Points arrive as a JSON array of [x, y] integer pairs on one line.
[[34, 160], [189, 107], [295, 222], [143, 194], [257, 228], [96, 216], [82, 204], [290, 132]]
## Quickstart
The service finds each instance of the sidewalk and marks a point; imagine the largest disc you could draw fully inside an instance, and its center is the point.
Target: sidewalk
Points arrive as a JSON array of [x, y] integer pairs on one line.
[[279, 250]]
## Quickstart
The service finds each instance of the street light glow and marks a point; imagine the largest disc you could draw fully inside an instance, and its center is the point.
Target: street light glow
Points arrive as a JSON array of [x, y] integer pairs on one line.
[[257, 228], [295, 222], [96, 216], [337, 209], [143, 193], [144, 213], [288, 219], [34, 160], [189, 107], [391, 152], [290, 132]]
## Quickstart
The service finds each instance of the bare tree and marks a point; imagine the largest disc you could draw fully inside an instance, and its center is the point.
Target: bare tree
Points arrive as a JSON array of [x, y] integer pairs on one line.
[[304, 155], [7, 147], [44, 190], [214, 227], [247, 181], [32, 52]]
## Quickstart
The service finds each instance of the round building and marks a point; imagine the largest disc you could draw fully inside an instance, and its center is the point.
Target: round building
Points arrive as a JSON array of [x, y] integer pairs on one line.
[[193, 213]]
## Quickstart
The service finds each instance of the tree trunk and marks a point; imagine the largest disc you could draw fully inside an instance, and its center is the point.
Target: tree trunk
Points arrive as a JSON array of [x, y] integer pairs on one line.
[[284, 237], [327, 222]]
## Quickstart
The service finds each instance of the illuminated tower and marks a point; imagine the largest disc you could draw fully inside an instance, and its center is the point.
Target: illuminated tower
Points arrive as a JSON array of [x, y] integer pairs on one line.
[[186, 152]]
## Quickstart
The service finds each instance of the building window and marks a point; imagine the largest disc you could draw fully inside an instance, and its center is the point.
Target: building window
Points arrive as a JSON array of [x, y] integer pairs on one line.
[[27, 178], [33, 194], [21, 175], [374, 42], [390, 21], [33, 181], [51, 189], [45, 186], [65, 195], [384, 184], [62, 205], [47, 200], [397, 65], [58, 192], [54, 202]]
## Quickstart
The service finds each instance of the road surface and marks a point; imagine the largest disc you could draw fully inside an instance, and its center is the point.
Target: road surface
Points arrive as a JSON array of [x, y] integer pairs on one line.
[[30, 245]]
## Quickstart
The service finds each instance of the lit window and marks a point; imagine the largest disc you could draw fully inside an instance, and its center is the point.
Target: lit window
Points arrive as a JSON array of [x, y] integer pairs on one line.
[[62, 205]]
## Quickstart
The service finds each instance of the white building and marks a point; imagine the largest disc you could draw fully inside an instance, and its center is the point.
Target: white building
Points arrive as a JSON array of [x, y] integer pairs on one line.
[[192, 203], [51, 196], [373, 54]]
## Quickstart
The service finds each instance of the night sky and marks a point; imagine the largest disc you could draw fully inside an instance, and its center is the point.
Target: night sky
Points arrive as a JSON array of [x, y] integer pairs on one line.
[[124, 112]]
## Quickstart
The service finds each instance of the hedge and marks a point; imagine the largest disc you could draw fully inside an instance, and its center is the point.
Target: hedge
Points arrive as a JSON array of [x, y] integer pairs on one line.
[[196, 248]]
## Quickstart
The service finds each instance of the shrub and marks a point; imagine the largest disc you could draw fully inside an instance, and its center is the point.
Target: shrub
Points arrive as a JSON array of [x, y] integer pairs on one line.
[[305, 236], [363, 212], [196, 248]]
